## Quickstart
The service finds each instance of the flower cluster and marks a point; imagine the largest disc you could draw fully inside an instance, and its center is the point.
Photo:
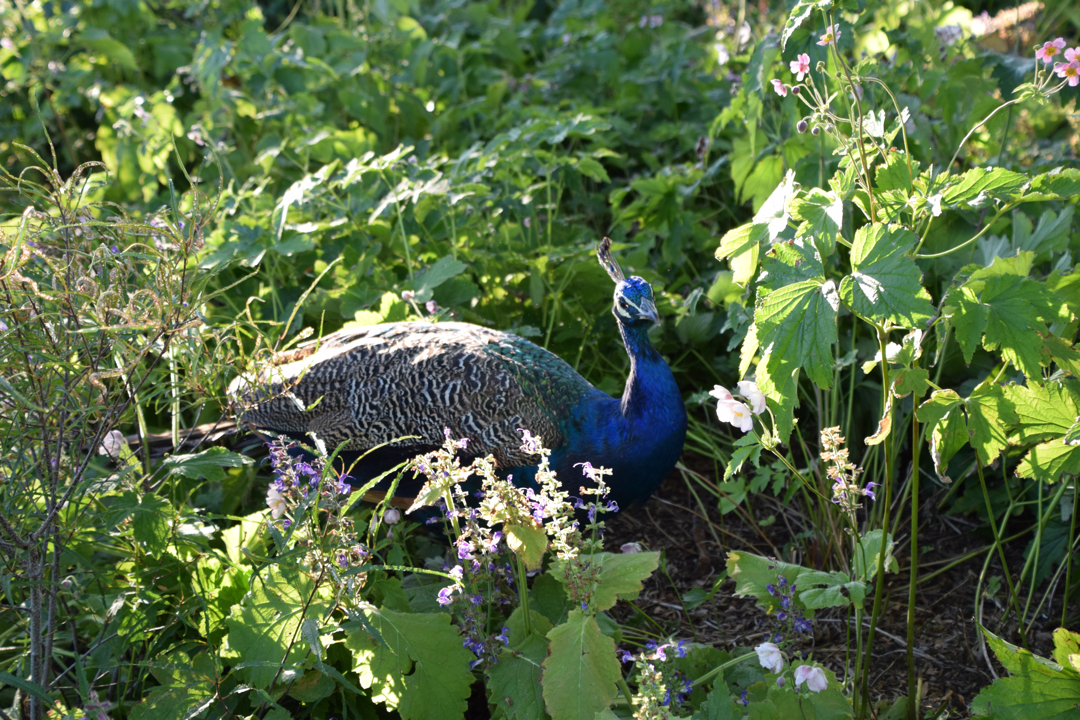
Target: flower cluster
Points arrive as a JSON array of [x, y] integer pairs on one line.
[[482, 567], [1069, 71], [739, 413], [662, 688], [772, 659], [846, 491], [312, 496]]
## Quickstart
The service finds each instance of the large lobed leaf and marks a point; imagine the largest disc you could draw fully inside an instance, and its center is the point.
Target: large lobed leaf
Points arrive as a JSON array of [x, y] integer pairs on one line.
[[1045, 415], [581, 671], [264, 630], [418, 666], [885, 285], [1037, 688]]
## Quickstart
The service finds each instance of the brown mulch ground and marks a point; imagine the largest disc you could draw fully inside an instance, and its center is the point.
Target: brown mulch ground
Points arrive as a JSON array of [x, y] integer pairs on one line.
[[950, 663]]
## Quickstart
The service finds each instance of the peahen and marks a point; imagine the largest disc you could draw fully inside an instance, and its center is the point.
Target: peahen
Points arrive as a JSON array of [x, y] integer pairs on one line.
[[370, 385]]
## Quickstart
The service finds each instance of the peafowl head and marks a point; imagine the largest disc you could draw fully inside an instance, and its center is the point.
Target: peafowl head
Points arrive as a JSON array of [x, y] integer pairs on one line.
[[634, 304]]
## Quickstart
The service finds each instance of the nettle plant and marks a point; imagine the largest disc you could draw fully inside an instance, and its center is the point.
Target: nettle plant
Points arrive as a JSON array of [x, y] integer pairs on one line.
[[900, 274]]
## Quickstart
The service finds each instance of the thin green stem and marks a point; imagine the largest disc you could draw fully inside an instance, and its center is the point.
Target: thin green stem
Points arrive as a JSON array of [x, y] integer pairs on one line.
[[523, 594], [1001, 550], [913, 580], [1071, 557], [887, 482]]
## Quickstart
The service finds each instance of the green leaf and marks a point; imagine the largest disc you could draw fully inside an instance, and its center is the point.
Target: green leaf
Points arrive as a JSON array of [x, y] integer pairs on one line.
[[118, 52], [798, 15], [868, 556], [593, 169], [819, 589], [1058, 184], [796, 324], [895, 174], [773, 214], [420, 669], [822, 216], [529, 542], [988, 412], [911, 380], [978, 187], [514, 682], [753, 574], [1045, 415], [206, 464], [720, 705], [264, 630], [1067, 649], [885, 285], [618, 576], [1037, 688], [581, 671], [150, 523], [746, 448], [445, 269], [621, 576], [187, 688]]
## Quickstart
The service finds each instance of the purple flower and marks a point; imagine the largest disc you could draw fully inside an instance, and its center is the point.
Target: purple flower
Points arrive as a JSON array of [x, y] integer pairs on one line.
[[493, 546], [432, 306], [681, 649], [625, 656], [771, 589], [476, 599], [504, 636], [446, 595], [743, 699], [584, 606], [871, 493], [286, 523]]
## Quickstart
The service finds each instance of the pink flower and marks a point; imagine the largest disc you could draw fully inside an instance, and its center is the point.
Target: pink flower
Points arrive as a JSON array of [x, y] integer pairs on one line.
[[780, 88], [832, 34], [1049, 49], [1069, 71], [1072, 54], [801, 66], [814, 677], [721, 393]]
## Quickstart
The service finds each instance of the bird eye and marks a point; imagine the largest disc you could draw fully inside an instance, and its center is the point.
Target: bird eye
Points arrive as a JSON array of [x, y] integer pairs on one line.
[[623, 304]]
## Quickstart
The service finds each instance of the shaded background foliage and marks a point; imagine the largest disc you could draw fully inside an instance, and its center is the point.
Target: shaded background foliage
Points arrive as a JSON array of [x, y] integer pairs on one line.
[[474, 153]]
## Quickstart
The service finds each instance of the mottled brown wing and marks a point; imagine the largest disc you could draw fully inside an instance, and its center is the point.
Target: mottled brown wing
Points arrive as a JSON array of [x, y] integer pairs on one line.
[[375, 384]]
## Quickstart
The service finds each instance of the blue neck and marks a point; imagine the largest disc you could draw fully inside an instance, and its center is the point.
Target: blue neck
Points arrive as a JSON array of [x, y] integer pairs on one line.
[[651, 394]]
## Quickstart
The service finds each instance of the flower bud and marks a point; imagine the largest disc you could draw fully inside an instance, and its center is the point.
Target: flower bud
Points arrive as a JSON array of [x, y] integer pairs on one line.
[[630, 548], [407, 295], [392, 516], [802, 126], [816, 130], [780, 681], [795, 90]]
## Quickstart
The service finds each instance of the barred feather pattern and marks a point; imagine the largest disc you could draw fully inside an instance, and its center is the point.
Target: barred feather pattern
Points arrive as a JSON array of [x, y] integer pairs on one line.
[[372, 385]]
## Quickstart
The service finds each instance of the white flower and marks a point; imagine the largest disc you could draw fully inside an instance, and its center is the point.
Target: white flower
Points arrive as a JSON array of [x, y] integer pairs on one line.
[[630, 548], [753, 395], [737, 414], [814, 677], [935, 204], [770, 657], [276, 502], [112, 444], [392, 516]]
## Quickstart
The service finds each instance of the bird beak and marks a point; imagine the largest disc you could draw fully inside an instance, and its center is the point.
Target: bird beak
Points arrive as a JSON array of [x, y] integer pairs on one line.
[[648, 309]]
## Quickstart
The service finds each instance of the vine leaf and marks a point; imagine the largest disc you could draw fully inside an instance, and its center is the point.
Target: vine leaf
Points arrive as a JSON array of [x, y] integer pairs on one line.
[[514, 682], [822, 215], [885, 285], [420, 668], [619, 575], [581, 671]]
